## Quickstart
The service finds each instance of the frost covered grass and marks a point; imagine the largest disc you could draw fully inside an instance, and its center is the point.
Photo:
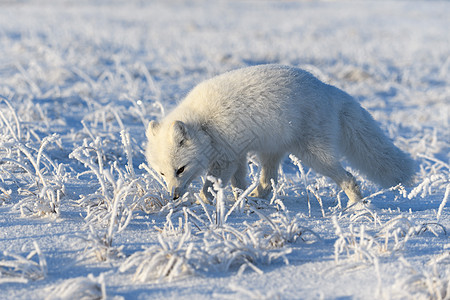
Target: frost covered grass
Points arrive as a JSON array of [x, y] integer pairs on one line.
[[83, 216], [15, 268], [45, 184], [80, 288]]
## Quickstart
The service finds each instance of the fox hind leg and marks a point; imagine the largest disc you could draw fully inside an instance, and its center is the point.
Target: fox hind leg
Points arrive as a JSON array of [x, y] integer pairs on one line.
[[329, 166], [351, 189]]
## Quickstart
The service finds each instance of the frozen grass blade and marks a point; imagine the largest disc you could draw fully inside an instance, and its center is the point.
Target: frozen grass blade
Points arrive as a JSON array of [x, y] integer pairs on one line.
[[127, 146], [298, 164], [163, 262], [48, 187], [99, 246], [423, 283], [22, 269], [241, 199], [80, 288], [318, 200], [153, 174], [17, 136], [444, 202]]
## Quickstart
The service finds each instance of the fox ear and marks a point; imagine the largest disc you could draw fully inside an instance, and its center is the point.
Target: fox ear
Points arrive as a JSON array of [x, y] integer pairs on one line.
[[151, 129], [179, 132]]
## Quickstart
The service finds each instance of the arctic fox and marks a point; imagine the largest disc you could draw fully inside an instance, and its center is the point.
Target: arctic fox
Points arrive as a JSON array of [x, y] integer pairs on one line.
[[270, 110]]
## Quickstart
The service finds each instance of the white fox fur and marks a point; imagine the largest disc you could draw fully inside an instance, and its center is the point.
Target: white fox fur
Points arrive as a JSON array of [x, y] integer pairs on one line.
[[271, 110]]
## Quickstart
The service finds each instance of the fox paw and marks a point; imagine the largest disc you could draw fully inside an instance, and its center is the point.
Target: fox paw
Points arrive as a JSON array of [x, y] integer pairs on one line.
[[359, 206], [203, 198], [260, 192]]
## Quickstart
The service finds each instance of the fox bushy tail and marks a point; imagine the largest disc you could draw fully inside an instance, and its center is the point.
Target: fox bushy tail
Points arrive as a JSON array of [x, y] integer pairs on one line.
[[370, 151]]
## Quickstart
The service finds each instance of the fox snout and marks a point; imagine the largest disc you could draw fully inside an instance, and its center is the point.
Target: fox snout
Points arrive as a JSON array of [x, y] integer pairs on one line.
[[176, 192], [175, 195]]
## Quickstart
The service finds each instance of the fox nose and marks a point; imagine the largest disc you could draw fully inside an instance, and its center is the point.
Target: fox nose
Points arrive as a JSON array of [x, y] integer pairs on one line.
[[175, 190], [177, 193]]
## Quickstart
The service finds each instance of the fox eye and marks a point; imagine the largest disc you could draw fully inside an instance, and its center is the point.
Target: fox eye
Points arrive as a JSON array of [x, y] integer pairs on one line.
[[162, 174], [180, 170]]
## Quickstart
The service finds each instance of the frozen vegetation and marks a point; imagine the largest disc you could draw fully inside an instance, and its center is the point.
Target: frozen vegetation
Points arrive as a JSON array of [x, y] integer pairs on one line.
[[83, 217]]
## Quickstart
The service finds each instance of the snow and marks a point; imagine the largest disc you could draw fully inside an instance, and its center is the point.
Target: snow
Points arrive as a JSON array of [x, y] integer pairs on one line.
[[79, 216]]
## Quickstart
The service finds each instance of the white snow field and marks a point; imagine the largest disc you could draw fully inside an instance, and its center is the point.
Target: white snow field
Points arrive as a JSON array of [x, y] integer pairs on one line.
[[82, 216]]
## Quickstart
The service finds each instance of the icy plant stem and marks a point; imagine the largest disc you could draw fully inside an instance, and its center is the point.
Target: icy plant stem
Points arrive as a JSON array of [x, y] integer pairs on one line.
[[153, 174], [437, 161], [18, 137], [118, 119], [297, 163], [44, 143], [338, 232], [220, 208], [380, 192], [444, 201], [318, 199], [241, 198], [23, 166], [30, 157], [264, 217], [42, 260], [87, 163], [96, 142], [112, 220], [8, 125], [21, 269], [127, 145], [150, 82]]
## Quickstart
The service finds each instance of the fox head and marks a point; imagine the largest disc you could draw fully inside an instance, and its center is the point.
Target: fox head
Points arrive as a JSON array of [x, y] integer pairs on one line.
[[178, 152]]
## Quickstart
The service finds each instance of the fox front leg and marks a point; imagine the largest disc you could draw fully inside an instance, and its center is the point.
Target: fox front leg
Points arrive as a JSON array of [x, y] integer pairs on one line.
[[269, 171], [220, 171]]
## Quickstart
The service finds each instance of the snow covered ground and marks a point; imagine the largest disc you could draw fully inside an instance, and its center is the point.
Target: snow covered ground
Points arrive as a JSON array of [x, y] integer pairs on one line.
[[81, 216]]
